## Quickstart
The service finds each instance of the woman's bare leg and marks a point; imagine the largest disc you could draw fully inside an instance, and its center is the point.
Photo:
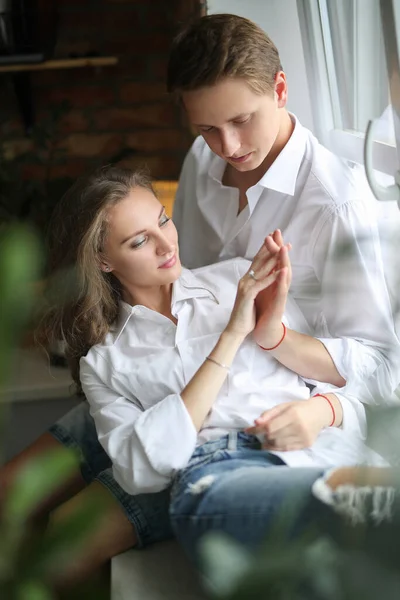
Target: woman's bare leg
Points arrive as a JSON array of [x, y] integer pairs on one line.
[[112, 535], [46, 443]]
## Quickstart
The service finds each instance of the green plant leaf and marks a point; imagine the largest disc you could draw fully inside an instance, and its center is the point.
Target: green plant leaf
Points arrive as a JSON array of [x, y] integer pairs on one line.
[[383, 432], [33, 590], [225, 562], [36, 481], [66, 539], [20, 259]]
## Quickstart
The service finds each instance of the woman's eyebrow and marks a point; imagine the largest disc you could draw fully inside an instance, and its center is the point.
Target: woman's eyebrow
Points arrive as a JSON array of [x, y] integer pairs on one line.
[[142, 231]]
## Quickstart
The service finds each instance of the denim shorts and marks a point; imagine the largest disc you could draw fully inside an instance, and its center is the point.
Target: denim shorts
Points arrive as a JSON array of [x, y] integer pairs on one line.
[[148, 513]]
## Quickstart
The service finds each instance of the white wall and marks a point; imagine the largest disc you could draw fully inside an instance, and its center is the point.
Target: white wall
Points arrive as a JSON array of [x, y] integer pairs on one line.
[[279, 18]]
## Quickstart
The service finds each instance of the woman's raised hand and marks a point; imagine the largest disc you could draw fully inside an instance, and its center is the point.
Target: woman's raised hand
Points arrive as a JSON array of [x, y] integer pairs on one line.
[[264, 272]]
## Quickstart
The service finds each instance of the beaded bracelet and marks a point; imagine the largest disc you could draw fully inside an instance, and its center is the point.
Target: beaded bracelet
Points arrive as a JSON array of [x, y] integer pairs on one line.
[[280, 341]]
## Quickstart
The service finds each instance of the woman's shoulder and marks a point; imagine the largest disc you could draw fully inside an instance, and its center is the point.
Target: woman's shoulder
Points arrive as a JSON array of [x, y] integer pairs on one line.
[[102, 352]]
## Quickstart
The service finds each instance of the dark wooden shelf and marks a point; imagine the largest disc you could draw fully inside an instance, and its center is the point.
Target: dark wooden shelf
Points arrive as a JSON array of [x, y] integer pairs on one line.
[[62, 63], [22, 81]]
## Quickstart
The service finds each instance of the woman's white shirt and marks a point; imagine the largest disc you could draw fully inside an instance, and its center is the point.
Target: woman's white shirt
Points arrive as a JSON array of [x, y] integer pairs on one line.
[[134, 379]]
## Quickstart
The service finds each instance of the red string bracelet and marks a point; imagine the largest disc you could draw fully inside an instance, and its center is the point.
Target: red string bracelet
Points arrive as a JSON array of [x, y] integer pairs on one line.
[[331, 405], [280, 341]]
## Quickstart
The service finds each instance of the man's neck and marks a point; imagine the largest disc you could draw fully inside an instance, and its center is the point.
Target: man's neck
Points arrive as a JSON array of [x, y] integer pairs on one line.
[[245, 180]]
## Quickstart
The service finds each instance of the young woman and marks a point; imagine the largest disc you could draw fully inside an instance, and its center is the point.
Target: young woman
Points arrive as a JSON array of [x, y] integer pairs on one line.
[[195, 378]]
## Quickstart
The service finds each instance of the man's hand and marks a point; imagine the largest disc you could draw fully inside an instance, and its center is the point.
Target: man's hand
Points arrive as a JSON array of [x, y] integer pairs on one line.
[[270, 302], [295, 425]]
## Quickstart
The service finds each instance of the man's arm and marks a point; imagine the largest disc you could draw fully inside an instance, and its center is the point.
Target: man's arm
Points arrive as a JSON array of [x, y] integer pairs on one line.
[[355, 302]]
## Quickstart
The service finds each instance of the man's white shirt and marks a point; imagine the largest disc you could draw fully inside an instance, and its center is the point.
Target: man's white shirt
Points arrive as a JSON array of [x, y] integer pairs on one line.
[[133, 383], [324, 208]]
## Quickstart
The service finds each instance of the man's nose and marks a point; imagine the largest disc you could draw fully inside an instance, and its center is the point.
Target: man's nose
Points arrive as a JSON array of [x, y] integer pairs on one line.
[[230, 143]]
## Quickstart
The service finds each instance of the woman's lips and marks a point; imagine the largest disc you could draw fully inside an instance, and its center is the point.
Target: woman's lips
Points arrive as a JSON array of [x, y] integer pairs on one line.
[[169, 263]]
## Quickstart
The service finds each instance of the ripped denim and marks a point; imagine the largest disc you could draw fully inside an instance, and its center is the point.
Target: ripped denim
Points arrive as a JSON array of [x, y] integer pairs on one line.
[[233, 486]]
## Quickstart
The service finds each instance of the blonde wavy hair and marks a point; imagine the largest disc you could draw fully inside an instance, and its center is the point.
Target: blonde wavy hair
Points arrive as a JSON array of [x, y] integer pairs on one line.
[[81, 300]]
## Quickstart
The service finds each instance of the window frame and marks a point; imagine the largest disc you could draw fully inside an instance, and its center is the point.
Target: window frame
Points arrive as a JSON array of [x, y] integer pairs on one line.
[[324, 81]]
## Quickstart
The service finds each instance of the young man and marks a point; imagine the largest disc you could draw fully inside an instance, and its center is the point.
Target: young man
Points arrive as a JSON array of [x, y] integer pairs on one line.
[[254, 169]]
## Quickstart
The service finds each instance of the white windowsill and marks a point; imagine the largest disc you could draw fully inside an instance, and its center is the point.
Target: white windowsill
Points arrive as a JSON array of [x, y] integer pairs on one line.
[[34, 379], [350, 145]]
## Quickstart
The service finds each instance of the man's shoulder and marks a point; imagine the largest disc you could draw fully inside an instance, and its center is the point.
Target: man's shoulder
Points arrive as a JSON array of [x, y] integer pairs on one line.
[[333, 179]]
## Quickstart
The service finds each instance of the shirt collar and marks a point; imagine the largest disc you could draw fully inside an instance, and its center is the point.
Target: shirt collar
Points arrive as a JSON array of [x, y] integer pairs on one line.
[[217, 168], [282, 174], [187, 287]]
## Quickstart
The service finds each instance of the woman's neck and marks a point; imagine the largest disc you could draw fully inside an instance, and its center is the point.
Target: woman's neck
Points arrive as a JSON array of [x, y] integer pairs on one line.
[[156, 298]]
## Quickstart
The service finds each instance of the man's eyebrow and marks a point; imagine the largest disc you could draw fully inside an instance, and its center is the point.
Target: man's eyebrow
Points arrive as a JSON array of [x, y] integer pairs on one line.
[[229, 120], [239, 117], [143, 230]]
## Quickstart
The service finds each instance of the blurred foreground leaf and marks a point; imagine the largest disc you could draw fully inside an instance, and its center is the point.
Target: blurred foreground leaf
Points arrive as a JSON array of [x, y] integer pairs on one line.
[[33, 590], [320, 570], [20, 260], [224, 561], [64, 542], [31, 552], [36, 481], [383, 432]]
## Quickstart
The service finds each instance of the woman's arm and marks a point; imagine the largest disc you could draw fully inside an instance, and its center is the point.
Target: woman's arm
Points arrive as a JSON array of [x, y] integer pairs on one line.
[[200, 393], [146, 447]]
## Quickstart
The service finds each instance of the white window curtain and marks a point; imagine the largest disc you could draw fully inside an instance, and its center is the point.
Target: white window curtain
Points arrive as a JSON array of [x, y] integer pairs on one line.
[[344, 44]]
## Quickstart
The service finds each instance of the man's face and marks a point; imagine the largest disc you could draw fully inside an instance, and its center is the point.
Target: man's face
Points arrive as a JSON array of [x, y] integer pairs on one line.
[[236, 123]]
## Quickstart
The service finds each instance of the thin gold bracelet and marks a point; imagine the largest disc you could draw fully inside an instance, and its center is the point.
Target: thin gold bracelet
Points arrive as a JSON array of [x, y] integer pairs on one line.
[[217, 363]]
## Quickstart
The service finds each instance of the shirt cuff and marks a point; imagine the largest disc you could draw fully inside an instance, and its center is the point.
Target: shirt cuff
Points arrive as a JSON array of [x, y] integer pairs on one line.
[[353, 360], [354, 419], [167, 435]]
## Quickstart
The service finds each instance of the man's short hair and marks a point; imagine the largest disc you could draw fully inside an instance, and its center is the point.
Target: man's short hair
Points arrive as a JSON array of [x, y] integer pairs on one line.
[[218, 46]]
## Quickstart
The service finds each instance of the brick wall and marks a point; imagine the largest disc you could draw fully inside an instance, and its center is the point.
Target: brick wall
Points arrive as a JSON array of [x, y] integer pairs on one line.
[[108, 110]]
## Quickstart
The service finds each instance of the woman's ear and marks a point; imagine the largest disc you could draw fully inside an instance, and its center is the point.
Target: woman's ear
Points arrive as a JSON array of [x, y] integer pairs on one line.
[[103, 263], [105, 267]]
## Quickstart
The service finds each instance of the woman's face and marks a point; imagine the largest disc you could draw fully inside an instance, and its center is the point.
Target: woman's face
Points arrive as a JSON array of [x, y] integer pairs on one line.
[[141, 246]]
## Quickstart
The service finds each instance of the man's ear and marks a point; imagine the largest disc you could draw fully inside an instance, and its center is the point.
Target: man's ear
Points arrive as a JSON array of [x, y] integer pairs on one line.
[[281, 90]]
